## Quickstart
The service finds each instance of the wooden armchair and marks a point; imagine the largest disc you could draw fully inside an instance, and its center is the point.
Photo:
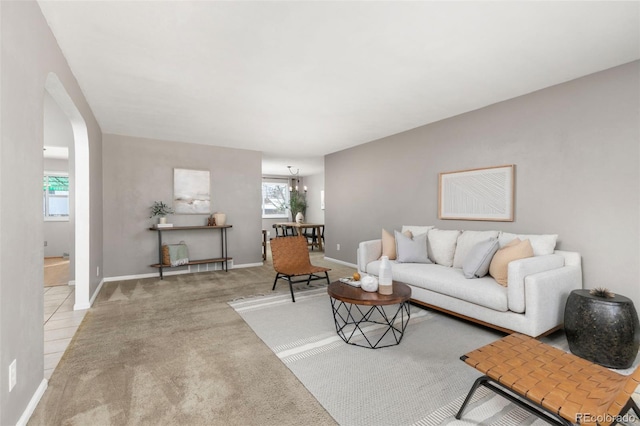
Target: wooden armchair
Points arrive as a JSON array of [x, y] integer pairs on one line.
[[291, 259], [559, 387]]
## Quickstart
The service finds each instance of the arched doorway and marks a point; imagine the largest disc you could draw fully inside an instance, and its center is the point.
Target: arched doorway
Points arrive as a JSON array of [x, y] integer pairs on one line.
[[81, 192]]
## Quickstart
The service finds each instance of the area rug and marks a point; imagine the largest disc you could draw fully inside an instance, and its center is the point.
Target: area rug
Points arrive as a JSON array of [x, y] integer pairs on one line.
[[421, 381]]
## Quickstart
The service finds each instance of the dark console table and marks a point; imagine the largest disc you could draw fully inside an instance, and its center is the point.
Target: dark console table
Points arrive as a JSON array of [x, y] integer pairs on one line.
[[603, 330], [224, 259]]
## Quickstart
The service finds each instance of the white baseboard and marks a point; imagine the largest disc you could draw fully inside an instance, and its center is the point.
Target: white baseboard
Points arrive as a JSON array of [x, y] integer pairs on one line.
[[341, 262], [140, 276], [248, 265], [33, 403], [95, 293], [189, 270], [81, 306], [72, 282]]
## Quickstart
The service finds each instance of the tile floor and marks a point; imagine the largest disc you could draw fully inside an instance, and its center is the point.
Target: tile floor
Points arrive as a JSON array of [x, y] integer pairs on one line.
[[60, 324]]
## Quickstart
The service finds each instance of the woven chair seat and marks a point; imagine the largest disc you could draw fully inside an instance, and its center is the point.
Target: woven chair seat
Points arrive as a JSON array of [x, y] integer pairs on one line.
[[296, 271], [561, 383], [291, 259]]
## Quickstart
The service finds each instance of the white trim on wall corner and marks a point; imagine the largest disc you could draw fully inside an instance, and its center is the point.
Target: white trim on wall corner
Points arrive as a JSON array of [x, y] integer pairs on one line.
[[33, 403], [72, 282], [95, 293], [341, 262]]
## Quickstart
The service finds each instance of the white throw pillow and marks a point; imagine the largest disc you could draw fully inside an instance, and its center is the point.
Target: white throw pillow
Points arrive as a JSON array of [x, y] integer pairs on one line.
[[478, 260], [466, 241], [442, 246], [416, 230], [542, 244], [411, 250]]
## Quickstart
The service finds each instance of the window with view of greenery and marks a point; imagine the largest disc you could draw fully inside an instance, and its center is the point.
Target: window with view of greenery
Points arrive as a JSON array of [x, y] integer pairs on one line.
[[55, 201], [275, 199]]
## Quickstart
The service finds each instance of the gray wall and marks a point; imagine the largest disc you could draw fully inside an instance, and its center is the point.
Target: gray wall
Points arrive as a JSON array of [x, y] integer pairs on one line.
[[57, 237], [29, 53], [576, 151], [139, 171]]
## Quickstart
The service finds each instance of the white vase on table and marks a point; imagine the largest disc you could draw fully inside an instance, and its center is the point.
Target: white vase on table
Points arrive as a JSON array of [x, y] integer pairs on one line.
[[385, 279]]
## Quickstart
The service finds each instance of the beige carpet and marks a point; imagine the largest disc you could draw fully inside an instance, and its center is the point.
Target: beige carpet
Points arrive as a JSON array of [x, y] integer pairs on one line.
[[56, 271], [173, 352]]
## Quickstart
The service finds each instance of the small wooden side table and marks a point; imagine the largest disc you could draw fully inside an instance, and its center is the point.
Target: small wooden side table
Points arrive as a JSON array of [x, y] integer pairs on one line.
[[602, 330]]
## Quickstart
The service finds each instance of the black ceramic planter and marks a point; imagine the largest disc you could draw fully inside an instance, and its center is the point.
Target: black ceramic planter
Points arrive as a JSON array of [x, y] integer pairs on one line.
[[602, 330]]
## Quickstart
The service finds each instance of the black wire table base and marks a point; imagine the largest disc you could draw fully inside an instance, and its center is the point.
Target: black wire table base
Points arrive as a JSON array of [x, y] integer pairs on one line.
[[359, 325]]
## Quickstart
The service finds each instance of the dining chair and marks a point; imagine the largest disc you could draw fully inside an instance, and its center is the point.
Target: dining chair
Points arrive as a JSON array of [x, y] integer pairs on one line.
[[314, 236], [291, 259], [283, 230]]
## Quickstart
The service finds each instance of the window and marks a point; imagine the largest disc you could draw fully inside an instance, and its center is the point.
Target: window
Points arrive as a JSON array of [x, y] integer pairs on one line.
[[275, 199], [55, 196]]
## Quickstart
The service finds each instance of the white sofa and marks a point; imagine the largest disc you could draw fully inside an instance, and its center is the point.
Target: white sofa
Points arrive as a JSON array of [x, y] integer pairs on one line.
[[532, 303]]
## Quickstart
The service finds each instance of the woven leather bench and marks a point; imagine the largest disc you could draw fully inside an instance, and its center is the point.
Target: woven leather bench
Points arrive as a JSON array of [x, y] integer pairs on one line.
[[559, 387]]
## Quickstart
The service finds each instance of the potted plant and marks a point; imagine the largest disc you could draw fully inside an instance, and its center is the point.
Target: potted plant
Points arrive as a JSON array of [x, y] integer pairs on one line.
[[160, 209], [298, 204]]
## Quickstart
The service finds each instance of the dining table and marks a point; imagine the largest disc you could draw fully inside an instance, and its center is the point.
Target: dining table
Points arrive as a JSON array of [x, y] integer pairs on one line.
[[300, 227]]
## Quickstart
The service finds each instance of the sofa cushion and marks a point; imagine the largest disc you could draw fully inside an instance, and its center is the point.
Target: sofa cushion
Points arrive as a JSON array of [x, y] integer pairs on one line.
[[389, 244], [542, 244], [514, 250], [441, 245], [411, 250], [416, 230], [448, 281], [476, 265], [466, 241]]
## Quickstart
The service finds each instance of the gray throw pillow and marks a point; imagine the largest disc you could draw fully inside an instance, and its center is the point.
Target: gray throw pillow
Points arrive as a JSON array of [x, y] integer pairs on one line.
[[411, 250], [476, 264]]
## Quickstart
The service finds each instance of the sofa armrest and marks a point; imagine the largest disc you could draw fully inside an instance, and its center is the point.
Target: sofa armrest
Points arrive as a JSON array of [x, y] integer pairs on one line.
[[547, 293], [368, 251], [518, 270]]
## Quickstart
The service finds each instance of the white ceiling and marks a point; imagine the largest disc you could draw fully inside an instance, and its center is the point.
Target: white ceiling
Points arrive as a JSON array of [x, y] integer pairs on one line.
[[299, 80]]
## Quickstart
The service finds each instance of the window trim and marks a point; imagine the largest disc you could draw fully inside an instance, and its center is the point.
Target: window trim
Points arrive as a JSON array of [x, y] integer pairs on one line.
[[57, 218], [281, 181]]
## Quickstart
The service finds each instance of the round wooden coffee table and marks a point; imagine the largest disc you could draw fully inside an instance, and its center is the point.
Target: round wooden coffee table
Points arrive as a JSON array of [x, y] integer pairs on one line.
[[361, 317]]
